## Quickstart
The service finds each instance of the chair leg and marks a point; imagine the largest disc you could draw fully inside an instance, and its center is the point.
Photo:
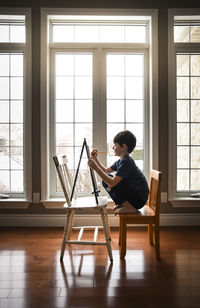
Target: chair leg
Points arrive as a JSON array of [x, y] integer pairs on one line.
[[150, 232], [120, 231], [70, 225], [106, 232], [157, 241], [66, 233], [123, 238], [107, 222]]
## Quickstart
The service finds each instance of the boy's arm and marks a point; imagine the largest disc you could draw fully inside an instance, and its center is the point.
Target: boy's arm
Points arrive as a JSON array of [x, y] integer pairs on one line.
[[94, 156], [111, 182], [106, 170]]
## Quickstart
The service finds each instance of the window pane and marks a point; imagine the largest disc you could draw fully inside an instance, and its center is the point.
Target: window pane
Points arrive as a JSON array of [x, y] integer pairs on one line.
[[16, 181], [182, 179], [181, 33], [64, 65], [4, 65], [195, 111], [16, 158], [195, 134], [134, 111], [137, 130], [4, 157], [83, 87], [183, 157], [83, 65], [135, 34], [182, 87], [182, 134], [16, 134], [4, 86], [134, 65], [195, 87], [115, 111], [16, 87], [182, 111], [4, 111], [63, 33], [87, 33], [195, 34], [112, 130], [83, 131], [195, 157], [17, 34], [64, 135], [4, 181], [4, 33], [16, 62], [64, 111], [115, 65], [195, 65], [64, 87], [4, 134], [83, 111], [134, 87], [182, 65], [195, 180], [17, 111], [111, 34], [115, 87]]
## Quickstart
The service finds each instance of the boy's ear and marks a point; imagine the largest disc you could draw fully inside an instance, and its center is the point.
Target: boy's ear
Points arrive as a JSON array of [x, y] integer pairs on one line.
[[124, 146]]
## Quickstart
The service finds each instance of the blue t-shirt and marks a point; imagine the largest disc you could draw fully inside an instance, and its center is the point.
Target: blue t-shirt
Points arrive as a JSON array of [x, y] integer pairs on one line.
[[127, 169]]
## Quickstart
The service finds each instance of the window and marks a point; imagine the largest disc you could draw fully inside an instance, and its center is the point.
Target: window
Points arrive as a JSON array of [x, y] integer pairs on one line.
[[186, 97], [13, 99], [100, 68]]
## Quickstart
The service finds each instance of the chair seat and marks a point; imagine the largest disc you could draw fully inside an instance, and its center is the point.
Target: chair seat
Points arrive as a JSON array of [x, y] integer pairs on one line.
[[87, 203], [145, 213]]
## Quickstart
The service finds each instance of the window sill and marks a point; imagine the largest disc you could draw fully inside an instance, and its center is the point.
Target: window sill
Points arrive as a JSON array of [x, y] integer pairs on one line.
[[185, 202], [13, 203], [57, 203]]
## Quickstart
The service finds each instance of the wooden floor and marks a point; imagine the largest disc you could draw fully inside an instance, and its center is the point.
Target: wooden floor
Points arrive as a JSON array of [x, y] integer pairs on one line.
[[31, 274]]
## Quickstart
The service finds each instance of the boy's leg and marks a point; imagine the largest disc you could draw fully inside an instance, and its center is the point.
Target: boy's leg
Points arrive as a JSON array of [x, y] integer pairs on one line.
[[120, 194], [110, 191]]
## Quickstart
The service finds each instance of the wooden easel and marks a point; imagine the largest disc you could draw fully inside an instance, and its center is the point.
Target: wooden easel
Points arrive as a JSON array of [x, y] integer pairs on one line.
[[93, 178]]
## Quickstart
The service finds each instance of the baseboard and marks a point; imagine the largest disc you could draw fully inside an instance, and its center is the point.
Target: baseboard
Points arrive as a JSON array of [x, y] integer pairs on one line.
[[27, 220]]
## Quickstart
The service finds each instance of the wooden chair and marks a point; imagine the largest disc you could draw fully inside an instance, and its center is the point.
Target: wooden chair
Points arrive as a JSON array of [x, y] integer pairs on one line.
[[149, 214], [82, 203]]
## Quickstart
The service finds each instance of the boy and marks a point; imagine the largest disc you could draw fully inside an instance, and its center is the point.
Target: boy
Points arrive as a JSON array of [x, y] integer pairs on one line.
[[128, 188]]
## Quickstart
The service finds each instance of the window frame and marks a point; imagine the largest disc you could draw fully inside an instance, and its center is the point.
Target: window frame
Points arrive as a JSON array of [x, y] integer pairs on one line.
[[22, 200], [47, 199], [177, 199]]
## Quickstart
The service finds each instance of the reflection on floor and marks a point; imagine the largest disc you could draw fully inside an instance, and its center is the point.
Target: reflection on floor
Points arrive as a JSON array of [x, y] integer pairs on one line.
[[31, 274]]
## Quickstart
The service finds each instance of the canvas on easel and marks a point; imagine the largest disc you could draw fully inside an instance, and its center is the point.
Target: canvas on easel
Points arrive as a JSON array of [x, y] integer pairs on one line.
[[93, 177]]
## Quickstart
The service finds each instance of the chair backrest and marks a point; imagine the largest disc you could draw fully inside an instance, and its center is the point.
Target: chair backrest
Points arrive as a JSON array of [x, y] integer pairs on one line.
[[64, 176], [154, 188]]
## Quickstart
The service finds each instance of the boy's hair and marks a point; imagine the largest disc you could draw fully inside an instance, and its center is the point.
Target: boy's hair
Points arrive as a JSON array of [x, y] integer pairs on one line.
[[126, 137]]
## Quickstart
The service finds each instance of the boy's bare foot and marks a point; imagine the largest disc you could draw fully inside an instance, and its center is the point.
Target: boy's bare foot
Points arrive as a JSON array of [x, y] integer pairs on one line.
[[126, 208], [117, 207]]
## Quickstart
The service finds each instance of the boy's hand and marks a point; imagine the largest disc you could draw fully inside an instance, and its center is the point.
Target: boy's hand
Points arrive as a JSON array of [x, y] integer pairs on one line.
[[94, 154], [91, 163]]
